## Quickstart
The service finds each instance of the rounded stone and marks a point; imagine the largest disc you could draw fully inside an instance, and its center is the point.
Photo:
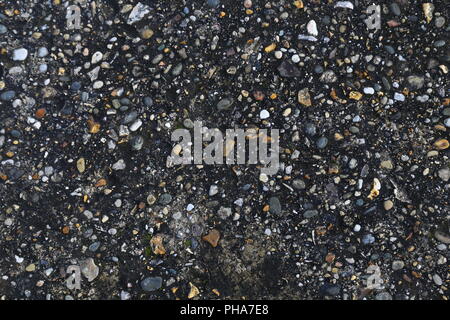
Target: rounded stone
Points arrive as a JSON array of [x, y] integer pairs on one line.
[[7, 95], [388, 205], [20, 54], [322, 142], [165, 199], [213, 3], [151, 284], [397, 265]]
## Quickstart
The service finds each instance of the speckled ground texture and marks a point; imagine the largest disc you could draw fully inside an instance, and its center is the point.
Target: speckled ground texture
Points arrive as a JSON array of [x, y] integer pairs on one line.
[[86, 118]]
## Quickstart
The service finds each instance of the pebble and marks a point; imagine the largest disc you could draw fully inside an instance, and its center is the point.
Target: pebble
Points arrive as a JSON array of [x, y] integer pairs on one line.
[[96, 57], [330, 290], [399, 96], [439, 22], [94, 246], [441, 144], [224, 104], [322, 142], [388, 205], [278, 54], [119, 165], [397, 265], [150, 284], [310, 214], [415, 82], [7, 95], [20, 54], [298, 184], [263, 178], [89, 269], [395, 8], [368, 239], [213, 3], [275, 205], [447, 122], [31, 267], [344, 4], [444, 174], [328, 77], [137, 143], [136, 125], [387, 164], [147, 33], [139, 11], [437, 280], [304, 97], [212, 237], [81, 165], [165, 199], [310, 129], [442, 237], [264, 114], [288, 70], [213, 190], [312, 28], [383, 296], [42, 52], [151, 199], [369, 90]]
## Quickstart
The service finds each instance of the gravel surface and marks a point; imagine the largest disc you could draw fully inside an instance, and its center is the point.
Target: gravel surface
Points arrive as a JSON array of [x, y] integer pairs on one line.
[[361, 196]]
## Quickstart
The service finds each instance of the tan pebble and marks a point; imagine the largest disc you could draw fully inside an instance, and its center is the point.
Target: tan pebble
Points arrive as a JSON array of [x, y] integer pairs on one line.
[[193, 292], [147, 33], [304, 97], [30, 267], [428, 9], [355, 95], [81, 165], [270, 48], [387, 164], [212, 238], [441, 144], [287, 112], [388, 204]]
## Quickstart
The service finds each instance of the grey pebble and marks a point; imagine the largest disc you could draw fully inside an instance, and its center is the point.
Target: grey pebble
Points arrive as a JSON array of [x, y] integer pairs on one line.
[[299, 184], [322, 142], [224, 104], [7, 95], [275, 205], [383, 296], [165, 199], [151, 284], [397, 265]]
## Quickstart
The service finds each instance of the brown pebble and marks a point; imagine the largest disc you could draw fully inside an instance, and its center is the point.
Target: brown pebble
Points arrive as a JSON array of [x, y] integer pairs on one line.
[[330, 257], [40, 113], [100, 183], [212, 237]]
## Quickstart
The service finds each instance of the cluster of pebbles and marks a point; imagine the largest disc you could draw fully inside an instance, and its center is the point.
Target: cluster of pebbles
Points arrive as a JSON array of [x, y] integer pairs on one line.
[[86, 117]]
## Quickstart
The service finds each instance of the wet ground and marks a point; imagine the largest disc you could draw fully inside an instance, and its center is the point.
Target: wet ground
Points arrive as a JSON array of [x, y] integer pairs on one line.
[[359, 208]]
